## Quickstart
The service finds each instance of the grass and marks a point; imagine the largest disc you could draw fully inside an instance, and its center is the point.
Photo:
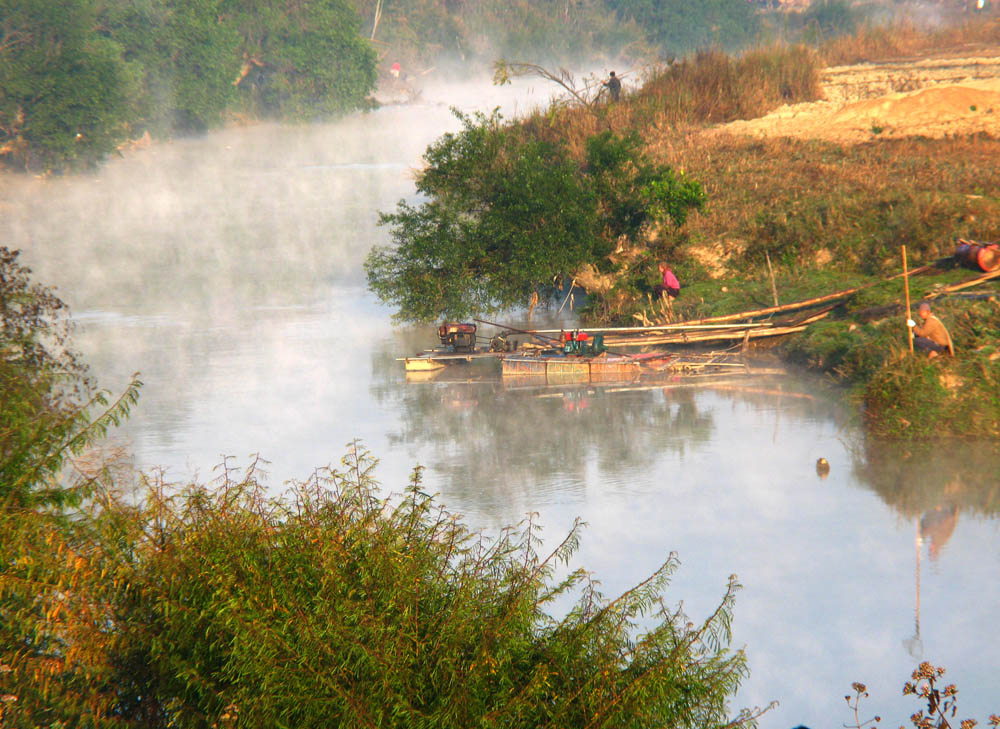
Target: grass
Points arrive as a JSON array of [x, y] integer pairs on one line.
[[899, 40]]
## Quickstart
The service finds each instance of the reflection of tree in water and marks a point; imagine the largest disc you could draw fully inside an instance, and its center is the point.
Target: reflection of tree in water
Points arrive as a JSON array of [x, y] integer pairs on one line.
[[929, 480], [931, 485], [527, 436]]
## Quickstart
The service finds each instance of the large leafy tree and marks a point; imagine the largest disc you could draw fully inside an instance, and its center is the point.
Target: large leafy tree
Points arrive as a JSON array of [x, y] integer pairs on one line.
[[507, 215], [63, 89]]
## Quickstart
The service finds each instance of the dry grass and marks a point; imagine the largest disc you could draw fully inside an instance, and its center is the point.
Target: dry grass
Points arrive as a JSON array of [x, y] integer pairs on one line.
[[707, 88], [906, 40], [798, 198]]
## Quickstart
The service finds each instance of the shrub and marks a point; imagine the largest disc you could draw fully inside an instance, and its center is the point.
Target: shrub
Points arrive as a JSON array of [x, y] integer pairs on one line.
[[332, 606]]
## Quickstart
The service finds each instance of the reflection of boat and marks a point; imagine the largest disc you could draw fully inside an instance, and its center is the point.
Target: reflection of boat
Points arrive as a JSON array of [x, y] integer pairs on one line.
[[556, 367]]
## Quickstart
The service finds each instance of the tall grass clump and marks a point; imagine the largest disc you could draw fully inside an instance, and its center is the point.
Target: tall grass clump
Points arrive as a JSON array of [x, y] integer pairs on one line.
[[707, 88], [885, 42], [712, 87], [335, 606]]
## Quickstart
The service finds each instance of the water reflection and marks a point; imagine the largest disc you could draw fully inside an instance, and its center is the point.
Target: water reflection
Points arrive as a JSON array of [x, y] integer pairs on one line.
[[930, 480]]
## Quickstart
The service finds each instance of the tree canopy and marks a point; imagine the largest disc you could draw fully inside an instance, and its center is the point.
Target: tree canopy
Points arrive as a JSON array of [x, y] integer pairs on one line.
[[78, 78], [45, 392], [507, 215], [63, 88]]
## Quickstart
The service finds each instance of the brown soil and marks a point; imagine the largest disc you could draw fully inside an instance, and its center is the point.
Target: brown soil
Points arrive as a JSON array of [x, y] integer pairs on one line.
[[930, 97]]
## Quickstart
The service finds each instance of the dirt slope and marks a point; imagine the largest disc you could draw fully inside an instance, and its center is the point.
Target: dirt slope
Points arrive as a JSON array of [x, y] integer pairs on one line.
[[932, 97]]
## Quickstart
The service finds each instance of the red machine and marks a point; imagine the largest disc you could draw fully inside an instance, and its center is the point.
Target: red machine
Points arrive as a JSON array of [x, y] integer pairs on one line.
[[459, 336]]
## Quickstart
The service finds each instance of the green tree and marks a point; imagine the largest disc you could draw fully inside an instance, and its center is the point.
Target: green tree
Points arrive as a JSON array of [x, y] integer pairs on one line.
[[508, 215], [302, 60], [505, 217], [186, 56], [64, 90], [51, 673], [46, 395], [682, 26]]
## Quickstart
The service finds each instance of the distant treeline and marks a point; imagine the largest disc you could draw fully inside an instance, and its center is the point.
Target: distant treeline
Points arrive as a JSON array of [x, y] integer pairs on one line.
[[80, 77]]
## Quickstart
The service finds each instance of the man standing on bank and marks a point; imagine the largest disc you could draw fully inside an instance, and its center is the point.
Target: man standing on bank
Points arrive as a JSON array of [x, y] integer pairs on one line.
[[930, 335], [614, 86]]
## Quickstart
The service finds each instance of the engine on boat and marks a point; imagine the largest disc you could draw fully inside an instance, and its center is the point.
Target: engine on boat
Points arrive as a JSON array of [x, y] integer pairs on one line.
[[461, 337], [581, 343]]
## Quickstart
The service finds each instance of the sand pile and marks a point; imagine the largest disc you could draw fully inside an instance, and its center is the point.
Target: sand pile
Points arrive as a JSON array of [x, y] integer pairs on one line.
[[965, 106]]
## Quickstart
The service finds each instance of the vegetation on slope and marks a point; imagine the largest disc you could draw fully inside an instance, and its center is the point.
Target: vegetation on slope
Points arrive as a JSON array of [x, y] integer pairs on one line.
[[78, 78]]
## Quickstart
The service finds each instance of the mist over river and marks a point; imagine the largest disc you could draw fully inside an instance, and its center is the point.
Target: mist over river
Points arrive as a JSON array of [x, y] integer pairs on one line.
[[227, 270]]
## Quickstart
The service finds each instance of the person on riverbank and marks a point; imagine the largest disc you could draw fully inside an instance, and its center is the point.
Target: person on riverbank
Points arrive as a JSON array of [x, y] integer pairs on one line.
[[614, 85], [930, 335], [669, 286]]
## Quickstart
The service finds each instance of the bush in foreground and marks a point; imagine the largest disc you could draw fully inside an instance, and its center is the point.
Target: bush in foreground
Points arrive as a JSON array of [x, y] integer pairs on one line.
[[334, 607]]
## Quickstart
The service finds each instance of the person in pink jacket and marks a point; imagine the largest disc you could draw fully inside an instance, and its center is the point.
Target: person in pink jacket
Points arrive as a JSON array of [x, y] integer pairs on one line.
[[670, 285]]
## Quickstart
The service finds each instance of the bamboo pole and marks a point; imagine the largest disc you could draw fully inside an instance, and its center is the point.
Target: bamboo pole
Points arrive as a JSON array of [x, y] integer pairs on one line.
[[662, 328], [906, 288], [965, 284], [683, 338], [804, 304], [774, 287]]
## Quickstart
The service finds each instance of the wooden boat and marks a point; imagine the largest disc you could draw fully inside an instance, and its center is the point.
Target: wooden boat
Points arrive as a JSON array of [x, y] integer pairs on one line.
[[558, 368], [423, 364], [432, 360], [563, 368]]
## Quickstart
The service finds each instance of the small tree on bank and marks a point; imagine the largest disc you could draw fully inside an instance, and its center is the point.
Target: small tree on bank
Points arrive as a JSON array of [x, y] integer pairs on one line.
[[508, 215]]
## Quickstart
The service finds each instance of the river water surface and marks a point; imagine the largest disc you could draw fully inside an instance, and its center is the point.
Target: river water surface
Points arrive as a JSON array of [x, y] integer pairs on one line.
[[227, 270]]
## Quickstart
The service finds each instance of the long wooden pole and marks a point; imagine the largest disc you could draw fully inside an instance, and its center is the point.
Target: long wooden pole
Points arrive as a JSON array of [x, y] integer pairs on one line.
[[906, 288], [774, 287]]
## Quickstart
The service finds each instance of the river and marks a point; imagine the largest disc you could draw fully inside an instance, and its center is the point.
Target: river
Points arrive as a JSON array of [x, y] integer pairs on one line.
[[227, 270]]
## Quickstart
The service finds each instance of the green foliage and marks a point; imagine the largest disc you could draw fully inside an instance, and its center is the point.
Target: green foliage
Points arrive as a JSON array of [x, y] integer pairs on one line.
[[682, 26], [184, 55], [633, 191], [45, 394], [63, 89], [78, 78], [508, 215], [828, 19], [305, 60], [332, 606]]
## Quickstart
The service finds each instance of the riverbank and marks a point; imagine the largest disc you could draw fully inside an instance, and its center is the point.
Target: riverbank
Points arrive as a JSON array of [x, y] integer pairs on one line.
[[826, 193], [828, 217]]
